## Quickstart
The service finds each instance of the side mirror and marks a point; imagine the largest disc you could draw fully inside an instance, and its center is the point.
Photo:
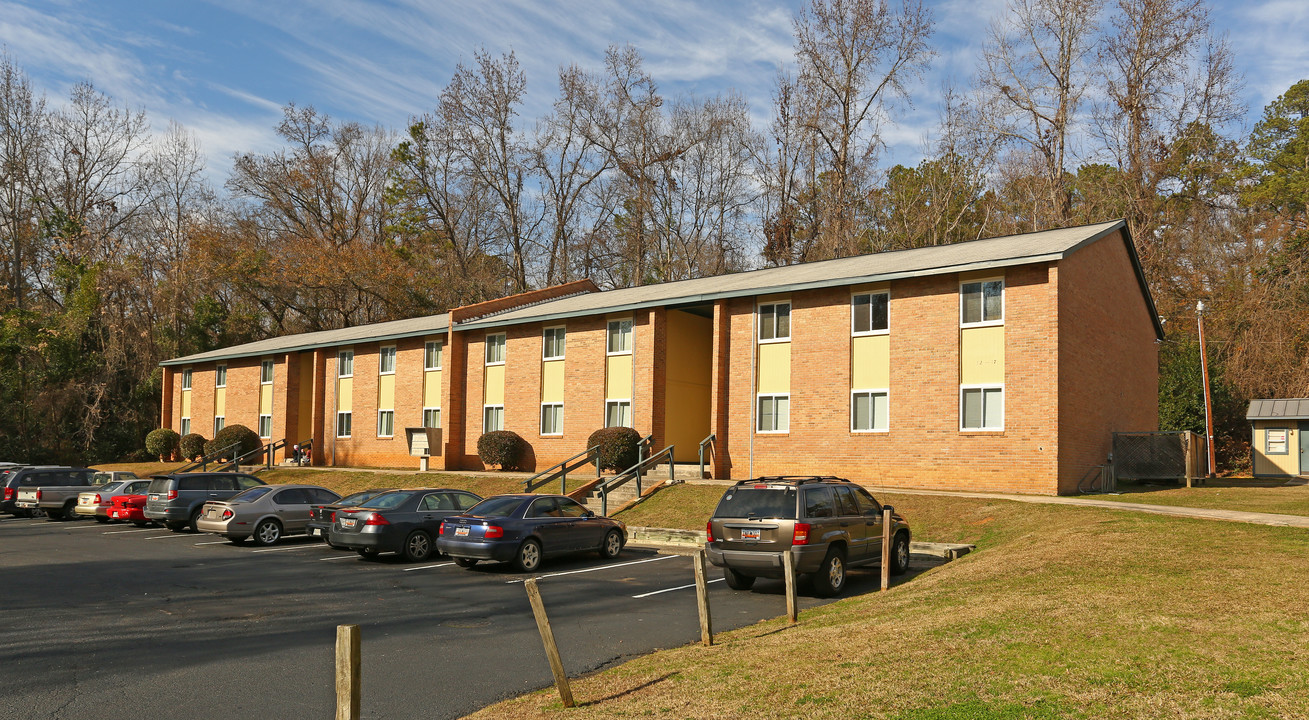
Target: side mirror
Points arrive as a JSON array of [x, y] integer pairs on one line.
[[888, 508], [590, 514]]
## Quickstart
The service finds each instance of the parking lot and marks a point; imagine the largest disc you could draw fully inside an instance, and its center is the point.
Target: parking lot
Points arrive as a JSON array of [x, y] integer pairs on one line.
[[113, 621]]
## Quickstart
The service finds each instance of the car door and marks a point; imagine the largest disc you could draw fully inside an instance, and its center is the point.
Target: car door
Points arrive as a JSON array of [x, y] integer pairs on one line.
[[585, 531], [871, 510], [851, 522], [292, 508], [555, 529], [434, 508], [820, 513]]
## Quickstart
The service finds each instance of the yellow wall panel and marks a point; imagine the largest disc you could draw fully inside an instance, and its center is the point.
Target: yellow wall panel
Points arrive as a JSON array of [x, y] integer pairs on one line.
[[689, 368], [1288, 464], [870, 361], [220, 401], [386, 392], [265, 399], [618, 376], [432, 389], [493, 392], [186, 403], [981, 355], [775, 368], [305, 422], [552, 381], [344, 394]]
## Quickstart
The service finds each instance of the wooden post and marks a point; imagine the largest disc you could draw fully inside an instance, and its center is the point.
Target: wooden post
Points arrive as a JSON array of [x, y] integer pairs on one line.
[[788, 570], [702, 598], [548, 639], [886, 546], [1189, 446], [348, 672]]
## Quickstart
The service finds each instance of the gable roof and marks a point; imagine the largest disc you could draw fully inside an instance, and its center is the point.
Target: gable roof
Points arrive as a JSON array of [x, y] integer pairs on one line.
[[392, 330], [1288, 409]]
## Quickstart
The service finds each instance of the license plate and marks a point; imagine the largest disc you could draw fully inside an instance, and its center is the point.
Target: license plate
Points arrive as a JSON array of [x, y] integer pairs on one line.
[[461, 531], [155, 496], [84, 501], [313, 532], [348, 522], [750, 534], [212, 514]]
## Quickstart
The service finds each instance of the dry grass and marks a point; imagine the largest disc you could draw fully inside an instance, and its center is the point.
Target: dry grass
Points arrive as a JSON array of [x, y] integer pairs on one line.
[[1246, 494], [143, 470], [1062, 612], [682, 506]]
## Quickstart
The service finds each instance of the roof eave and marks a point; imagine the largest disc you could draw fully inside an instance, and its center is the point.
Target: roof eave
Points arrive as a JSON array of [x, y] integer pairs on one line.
[[197, 358]]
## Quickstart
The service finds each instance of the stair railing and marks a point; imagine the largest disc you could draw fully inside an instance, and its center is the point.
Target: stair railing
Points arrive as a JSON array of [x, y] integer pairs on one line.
[[269, 449], [643, 445], [633, 473], [707, 442], [560, 471], [203, 463]]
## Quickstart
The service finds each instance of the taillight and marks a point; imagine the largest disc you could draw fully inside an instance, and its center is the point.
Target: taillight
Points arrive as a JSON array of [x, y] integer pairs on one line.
[[97, 499], [9, 493], [333, 517], [801, 534], [709, 531], [172, 494], [227, 514], [38, 494], [494, 531], [441, 530], [376, 519]]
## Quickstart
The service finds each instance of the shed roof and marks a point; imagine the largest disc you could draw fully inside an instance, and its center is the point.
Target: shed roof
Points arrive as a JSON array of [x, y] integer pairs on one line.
[[1285, 409], [392, 330]]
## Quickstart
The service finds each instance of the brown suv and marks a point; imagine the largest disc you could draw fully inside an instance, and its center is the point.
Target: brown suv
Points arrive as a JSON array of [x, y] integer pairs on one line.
[[826, 523]]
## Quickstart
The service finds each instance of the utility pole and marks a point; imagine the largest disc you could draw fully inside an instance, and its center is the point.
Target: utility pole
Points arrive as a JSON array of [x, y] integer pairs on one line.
[[1208, 403]]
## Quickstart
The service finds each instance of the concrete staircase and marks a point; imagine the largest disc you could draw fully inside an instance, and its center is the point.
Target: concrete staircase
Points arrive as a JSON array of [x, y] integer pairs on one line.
[[619, 497], [681, 472]]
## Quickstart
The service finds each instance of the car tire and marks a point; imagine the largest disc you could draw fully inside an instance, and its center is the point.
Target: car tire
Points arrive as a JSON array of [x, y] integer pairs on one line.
[[830, 579], [267, 532], [900, 554], [101, 519], [176, 527], [367, 554], [141, 524], [417, 547], [70, 511], [528, 557], [736, 580], [465, 562], [192, 523], [612, 545], [54, 515]]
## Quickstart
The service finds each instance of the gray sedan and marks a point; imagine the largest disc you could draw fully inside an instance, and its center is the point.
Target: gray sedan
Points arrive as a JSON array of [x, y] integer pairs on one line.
[[265, 513], [96, 501]]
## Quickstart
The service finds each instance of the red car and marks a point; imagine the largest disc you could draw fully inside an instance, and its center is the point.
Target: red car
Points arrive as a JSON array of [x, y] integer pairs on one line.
[[130, 508]]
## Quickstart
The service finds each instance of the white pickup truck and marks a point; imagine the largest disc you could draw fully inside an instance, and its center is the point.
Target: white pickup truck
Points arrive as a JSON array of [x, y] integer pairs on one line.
[[55, 492]]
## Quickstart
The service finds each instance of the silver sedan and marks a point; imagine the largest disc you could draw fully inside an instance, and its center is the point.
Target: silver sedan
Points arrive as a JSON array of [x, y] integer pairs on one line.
[[96, 501], [264, 513]]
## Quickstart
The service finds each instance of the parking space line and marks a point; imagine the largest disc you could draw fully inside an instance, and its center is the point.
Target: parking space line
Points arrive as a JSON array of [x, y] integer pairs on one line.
[[120, 532], [211, 542], [339, 557], [87, 527], [159, 537], [602, 567], [679, 587], [295, 547], [425, 567]]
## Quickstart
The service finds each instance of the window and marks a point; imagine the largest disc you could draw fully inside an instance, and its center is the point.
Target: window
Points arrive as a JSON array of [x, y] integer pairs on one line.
[[345, 363], [432, 355], [493, 418], [870, 313], [220, 376], [431, 417], [818, 503], [265, 426], [869, 411], [775, 322], [186, 426], [552, 418], [343, 422], [981, 302], [385, 423], [553, 342], [618, 413], [495, 349], [774, 413], [386, 360], [219, 422], [620, 337], [266, 372], [186, 379], [1275, 441], [981, 408]]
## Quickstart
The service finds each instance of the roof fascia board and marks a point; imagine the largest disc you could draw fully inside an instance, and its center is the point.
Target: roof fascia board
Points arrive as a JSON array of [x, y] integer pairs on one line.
[[191, 359]]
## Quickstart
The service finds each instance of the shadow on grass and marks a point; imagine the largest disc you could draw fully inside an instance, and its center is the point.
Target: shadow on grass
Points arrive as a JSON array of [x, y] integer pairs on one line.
[[629, 691]]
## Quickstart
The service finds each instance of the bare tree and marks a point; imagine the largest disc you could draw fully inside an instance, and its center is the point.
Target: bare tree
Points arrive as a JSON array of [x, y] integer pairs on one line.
[[23, 136]]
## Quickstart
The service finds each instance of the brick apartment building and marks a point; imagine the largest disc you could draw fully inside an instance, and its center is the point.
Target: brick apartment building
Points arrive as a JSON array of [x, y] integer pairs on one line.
[[996, 364]]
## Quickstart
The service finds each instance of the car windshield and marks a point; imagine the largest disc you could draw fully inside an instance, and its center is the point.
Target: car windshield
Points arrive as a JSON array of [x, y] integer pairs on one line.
[[386, 501], [252, 494], [101, 478], [359, 497], [757, 502], [112, 487], [495, 507], [160, 485]]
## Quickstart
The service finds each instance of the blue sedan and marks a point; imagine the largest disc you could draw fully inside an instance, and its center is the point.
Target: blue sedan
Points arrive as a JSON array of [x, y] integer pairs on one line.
[[525, 529]]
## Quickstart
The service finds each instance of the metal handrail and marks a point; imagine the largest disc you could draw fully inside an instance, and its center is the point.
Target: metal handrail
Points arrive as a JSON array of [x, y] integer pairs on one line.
[[203, 462], [541, 478], [634, 472], [270, 448], [641, 445], [710, 442]]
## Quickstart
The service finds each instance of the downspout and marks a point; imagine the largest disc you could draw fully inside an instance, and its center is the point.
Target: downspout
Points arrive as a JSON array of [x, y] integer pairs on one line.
[[336, 400], [754, 385], [632, 400]]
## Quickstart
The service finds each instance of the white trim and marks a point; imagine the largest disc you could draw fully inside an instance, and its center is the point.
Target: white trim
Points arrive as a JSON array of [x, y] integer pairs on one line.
[[758, 317], [631, 335], [395, 356], [758, 416], [440, 354], [504, 348], [983, 386], [187, 378], [541, 418], [270, 425], [217, 418], [224, 373], [548, 358], [379, 423], [422, 420], [871, 391], [630, 412], [184, 424], [982, 323], [870, 333], [501, 407], [272, 371], [337, 429], [339, 353]]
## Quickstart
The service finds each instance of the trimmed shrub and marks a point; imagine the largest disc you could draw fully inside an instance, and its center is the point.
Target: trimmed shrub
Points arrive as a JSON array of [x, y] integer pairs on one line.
[[162, 443], [501, 447], [193, 446], [619, 447], [247, 440]]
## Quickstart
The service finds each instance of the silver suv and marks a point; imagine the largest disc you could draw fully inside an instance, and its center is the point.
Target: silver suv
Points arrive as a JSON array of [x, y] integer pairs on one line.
[[827, 524]]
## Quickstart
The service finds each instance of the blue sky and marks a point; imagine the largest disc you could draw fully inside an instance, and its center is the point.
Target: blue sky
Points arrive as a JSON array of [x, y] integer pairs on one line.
[[224, 69]]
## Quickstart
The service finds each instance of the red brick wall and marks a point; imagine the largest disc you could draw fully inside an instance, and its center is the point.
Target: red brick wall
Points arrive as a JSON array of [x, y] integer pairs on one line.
[[364, 448], [1108, 359]]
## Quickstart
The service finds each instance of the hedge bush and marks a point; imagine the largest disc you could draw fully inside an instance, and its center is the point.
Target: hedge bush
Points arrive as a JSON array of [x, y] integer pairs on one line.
[[619, 447], [193, 446], [162, 443], [501, 447], [246, 439]]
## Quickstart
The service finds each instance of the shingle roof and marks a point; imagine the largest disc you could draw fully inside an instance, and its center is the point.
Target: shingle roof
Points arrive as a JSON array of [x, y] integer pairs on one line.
[[1290, 409], [327, 338]]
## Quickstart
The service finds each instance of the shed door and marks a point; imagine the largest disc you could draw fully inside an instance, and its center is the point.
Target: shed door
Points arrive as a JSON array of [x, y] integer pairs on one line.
[[1304, 447]]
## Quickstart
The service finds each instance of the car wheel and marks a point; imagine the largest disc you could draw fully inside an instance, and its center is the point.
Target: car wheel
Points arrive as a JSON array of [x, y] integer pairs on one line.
[[54, 515], [736, 580], [528, 558], [101, 519], [900, 554], [175, 526], [830, 578], [465, 562], [70, 511], [367, 554], [417, 547], [612, 545], [141, 524], [267, 532], [195, 518]]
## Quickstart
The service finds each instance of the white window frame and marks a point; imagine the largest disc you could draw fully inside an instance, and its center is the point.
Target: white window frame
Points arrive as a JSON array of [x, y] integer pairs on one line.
[[558, 430], [982, 282], [186, 378], [341, 355], [382, 354], [631, 332], [185, 426], [870, 392], [272, 371], [426, 410], [759, 319], [430, 348], [349, 416], [983, 387], [262, 418], [503, 344], [563, 341], [485, 409], [871, 332], [380, 414], [220, 422], [759, 397], [619, 402], [220, 375]]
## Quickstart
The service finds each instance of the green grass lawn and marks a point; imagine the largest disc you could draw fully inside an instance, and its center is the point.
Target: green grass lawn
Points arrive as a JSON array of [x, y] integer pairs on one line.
[[1247, 494], [1063, 612]]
